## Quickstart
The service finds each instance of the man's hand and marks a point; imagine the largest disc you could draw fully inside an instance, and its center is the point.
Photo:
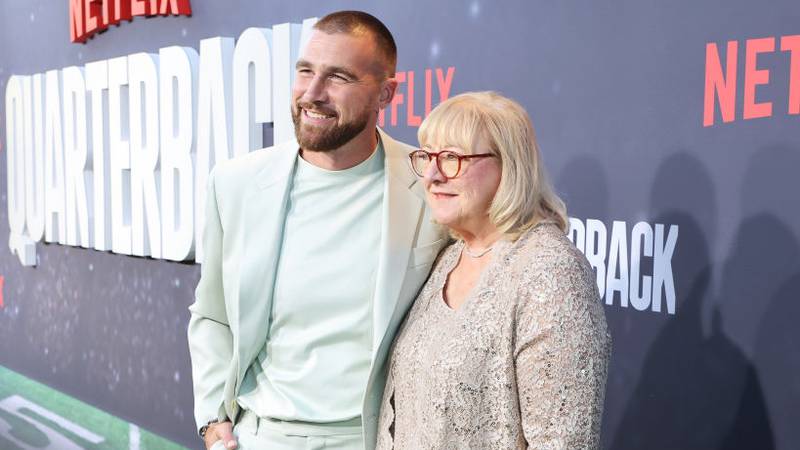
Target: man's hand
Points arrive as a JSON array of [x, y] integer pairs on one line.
[[220, 431]]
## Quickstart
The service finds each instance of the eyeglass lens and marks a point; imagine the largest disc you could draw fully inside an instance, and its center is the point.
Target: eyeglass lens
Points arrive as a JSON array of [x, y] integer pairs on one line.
[[448, 163]]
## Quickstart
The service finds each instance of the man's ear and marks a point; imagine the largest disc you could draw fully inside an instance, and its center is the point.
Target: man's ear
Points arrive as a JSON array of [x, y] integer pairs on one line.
[[387, 92]]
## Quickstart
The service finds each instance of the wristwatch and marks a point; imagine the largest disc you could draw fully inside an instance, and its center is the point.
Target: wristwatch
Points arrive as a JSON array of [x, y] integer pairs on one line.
[[204, 428]]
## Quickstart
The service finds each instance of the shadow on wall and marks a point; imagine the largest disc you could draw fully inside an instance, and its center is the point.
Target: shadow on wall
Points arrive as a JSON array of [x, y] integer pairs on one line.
[[697, 389], [571, 185], [761, 288]]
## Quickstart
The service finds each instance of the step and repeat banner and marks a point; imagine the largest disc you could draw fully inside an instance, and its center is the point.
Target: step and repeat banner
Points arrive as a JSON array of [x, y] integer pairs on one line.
[[669, 128]]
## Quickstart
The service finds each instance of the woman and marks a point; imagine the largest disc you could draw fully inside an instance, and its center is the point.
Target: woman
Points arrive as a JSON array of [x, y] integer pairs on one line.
[[506, 345]]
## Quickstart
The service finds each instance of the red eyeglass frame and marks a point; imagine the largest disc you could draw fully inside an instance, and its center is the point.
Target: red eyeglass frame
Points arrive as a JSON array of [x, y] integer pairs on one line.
[[435, 155]]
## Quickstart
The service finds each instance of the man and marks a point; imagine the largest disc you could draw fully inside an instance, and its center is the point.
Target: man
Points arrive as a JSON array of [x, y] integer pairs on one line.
[[315, 249]]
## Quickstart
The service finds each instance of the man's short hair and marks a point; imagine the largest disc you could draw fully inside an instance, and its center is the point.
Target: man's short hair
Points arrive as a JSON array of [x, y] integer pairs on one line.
[[358, 22]]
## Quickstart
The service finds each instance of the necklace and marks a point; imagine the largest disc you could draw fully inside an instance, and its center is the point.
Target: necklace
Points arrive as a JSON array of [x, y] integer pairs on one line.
[[477, 254]]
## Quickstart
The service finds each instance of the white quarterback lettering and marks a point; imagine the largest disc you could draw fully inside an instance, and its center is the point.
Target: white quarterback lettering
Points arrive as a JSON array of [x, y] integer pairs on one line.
[[115, 155], [619, 261]]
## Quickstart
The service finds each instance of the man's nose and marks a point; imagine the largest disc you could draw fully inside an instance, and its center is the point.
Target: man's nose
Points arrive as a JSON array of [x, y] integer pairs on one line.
[[316, 90]]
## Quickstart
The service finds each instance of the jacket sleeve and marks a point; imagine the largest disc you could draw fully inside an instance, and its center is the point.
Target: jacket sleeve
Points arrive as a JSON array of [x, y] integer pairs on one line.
[[209, 333], [561, 354]]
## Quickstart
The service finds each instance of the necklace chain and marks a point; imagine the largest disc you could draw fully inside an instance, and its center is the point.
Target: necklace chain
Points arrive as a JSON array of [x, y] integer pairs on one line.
[[479, 253]]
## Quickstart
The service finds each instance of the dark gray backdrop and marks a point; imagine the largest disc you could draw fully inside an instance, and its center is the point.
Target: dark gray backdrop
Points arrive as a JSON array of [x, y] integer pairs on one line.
[[615, 90]]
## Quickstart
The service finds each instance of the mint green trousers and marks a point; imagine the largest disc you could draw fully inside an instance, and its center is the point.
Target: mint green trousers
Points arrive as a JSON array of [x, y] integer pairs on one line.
[[254, 433]]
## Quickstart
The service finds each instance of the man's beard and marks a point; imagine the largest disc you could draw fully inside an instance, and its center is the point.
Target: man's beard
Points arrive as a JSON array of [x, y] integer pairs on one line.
[[327, 139]]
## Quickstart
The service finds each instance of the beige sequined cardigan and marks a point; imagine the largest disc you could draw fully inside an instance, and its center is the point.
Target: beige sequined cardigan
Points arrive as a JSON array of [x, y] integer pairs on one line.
[[521, 364]]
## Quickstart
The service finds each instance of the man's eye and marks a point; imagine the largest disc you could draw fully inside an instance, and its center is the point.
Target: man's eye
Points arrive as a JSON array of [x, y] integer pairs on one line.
[[450, 157], [339, 78]]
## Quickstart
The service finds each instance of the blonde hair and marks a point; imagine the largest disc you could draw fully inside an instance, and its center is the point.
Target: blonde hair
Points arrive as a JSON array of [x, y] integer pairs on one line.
[[524, 197]]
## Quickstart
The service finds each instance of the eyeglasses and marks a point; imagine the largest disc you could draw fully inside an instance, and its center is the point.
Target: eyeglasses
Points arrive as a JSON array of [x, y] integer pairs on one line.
[[448, 162]]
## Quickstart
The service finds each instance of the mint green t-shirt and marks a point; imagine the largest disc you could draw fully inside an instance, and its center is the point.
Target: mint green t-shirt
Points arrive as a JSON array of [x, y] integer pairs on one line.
[[315, 364]]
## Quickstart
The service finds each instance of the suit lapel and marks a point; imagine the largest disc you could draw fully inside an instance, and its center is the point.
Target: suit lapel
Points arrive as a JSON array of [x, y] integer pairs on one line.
[[401, 213], [263, 229]]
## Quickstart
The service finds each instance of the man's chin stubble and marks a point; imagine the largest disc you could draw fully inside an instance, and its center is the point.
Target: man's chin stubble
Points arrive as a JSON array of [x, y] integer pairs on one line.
[[328, 140]]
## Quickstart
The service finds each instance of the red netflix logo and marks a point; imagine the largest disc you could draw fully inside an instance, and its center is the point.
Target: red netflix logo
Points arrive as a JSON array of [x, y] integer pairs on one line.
[[721, 83], [409, 90], [87, 17]]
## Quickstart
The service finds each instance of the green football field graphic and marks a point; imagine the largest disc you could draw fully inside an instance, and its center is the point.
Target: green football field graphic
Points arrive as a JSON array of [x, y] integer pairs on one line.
[[36, 417]]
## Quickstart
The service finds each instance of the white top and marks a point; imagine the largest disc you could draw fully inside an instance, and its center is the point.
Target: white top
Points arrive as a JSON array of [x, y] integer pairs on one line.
[[315, 364]]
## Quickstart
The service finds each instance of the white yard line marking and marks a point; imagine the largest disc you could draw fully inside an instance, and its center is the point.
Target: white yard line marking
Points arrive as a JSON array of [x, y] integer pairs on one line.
[[134, 437]]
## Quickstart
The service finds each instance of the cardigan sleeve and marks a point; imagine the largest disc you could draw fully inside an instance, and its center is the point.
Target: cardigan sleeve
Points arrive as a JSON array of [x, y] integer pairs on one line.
[[386, 415], [561, 352]]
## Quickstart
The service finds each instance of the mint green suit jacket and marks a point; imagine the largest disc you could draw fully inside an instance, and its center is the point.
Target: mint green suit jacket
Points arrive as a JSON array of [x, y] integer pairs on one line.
[[245, 208]]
